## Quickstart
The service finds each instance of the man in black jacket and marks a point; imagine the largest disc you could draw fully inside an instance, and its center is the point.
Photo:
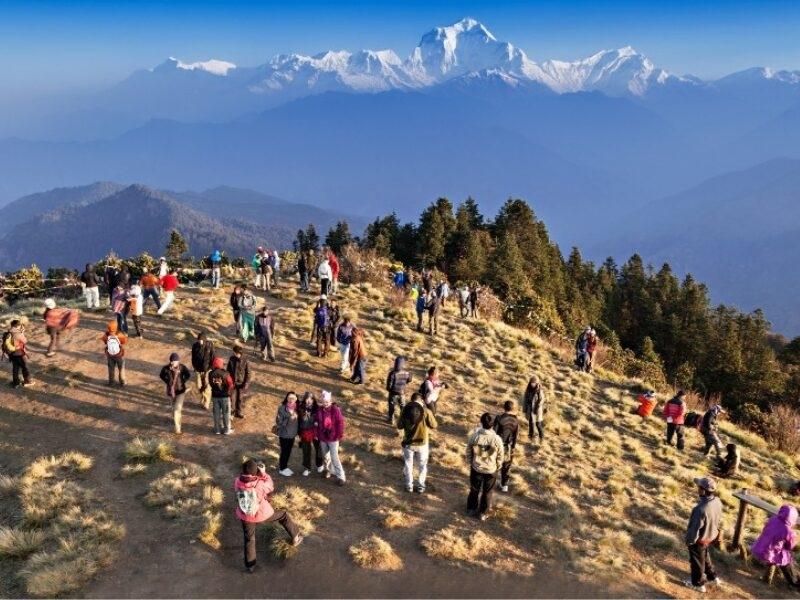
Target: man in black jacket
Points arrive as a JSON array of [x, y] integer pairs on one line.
[[202, 355], [91, 288], [396, 382], [175, 375], [507, 426], [709, 430], [239, 370]]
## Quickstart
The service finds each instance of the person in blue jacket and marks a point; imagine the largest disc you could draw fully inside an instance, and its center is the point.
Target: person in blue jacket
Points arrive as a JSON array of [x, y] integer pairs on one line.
[[216, 261]]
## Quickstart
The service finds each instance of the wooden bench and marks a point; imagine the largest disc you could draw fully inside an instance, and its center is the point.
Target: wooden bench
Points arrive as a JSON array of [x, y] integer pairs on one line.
[[746, 499]]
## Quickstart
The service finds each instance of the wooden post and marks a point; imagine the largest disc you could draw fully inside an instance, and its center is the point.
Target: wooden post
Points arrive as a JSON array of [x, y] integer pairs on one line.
[[740, 520]]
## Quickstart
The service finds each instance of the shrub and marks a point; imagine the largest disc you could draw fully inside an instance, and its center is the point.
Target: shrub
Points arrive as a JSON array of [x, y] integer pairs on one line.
[[783, 428]]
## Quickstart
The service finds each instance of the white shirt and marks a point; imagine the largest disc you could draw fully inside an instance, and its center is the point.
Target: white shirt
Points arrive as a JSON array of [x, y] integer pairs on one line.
[[324, 271]]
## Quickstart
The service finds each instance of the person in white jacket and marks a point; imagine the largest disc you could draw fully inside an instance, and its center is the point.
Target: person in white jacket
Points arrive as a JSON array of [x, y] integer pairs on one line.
[[136, 303], [325, 276]]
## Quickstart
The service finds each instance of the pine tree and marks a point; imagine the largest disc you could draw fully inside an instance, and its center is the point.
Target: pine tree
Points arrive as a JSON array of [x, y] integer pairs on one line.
[[176, 247], [436, 224], [338, 237]]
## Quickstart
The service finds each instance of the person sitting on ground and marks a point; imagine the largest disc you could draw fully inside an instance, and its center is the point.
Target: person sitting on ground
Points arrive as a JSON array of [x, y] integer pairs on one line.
[[358, 357], [703, 530], [506, 425], [265, 333], [114, 343], [286, 424], [252, 489], [647, 403], [533, 405], [675, 415], [728, 467], [416, 420], [175, 375], [775, 544], [485, 458], [431, 388], [396, 382]]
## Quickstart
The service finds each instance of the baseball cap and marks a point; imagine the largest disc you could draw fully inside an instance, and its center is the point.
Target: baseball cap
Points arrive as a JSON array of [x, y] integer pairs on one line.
[[706, 483]]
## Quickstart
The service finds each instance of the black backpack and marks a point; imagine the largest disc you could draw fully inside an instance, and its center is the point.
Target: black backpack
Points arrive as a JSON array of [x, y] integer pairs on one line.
[[693, 419], [5, 349]]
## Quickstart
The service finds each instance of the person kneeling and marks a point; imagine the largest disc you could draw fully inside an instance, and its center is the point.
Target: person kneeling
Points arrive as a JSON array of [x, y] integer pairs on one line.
[[775, 544]]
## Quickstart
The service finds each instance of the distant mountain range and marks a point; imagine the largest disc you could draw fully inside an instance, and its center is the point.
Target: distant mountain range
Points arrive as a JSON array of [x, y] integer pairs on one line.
[[71, 226]]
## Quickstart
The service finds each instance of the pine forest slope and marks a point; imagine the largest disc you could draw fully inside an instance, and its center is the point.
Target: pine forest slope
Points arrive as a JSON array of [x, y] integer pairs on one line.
[[598, 510]]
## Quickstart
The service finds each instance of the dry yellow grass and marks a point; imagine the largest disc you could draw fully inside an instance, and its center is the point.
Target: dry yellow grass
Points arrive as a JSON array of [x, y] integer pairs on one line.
[[148, 450], [17, 543], [375, 553], [312, 503]]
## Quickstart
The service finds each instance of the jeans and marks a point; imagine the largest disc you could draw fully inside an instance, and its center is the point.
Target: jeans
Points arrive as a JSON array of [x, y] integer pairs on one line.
[[169, 298], [701, 565], [55, 334], [286, 445], [92, 295], [267, 349], [420, 316], [215, 277], [222, 414], [344, 351], [360, 371], [151, 293], [712, 441], [323, 342], [249, 530], [238, 397], [122, 322], [306, 448], [330, 458], [532, 422], [304, 282], [505, 471], [394, 400], [673, 429], [19, 364], [201, 380], [421, 453], [177, 411], [116, 364], [324, 286], [481, 486]]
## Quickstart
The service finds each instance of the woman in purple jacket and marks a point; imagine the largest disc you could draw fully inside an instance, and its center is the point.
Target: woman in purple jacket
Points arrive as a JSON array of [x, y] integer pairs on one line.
[[774, 545], [330, 431]]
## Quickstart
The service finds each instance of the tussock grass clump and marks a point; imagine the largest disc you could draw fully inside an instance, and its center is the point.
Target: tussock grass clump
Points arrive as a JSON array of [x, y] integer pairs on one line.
[[397, 517], [17, 543], [475, 548], [505, 513], [8, 485], [312, 504], [63, 465], [375, 553], [148, 450], [132, 470]]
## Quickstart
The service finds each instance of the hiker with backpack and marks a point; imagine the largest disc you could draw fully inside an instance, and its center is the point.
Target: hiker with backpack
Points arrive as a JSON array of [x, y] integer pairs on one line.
[[265, 334], [216, 273], [136, 307], [239, 370], [704, 528], [175, 375], [416, 422], [247, 314], [675, 417], [358, 357], [485, 458], [396, 381], [474, 300], [463, 301], [776, 542], [581, 349], [255, 263], [421, 307], [119, 304], [710, 430], [307, 430], [114, 343], [591, 348], [91, 288], [333, 261], [320, 330], [325, 274], [334, 315], [433, 307], [330, 431], [15, 347], [265, 272], [344, 337], [149, 283], [253, 488], [302, 271], [286, 427], [170, 284], [221, 384], [506, 425], [202, 357], [534, 403], [431, 389], [57, 321]]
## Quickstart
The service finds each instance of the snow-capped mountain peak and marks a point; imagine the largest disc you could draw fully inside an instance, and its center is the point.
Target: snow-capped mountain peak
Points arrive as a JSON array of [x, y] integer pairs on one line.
[[213, 66]]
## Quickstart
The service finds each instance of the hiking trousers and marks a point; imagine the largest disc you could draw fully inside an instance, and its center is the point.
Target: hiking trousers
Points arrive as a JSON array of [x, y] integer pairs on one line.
[[238, 397], [169, 298], [267, 348], [201, 381], [92, 295], [505, 471], [675, 430], [324, 286], [137, 324], [249, 530], [481, 486], [116, 366], [151, 293], [394, 400], [712, 441], [248, 326], [421, 454], [360, 371], [532, 422], [177, 411], [286, 445], [215, 277], [344, 351], [701, 565], [330, 458], [55, 335], [222, 414], [19, 364], [306, 448]]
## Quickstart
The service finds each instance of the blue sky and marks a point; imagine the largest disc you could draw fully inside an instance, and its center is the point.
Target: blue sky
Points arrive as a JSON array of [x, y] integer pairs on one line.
[[47, 45]]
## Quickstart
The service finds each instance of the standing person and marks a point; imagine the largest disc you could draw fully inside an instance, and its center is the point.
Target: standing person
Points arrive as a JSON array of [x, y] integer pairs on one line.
[[119, 304], [57, 321], [302, 270], [463, 301], [443, 292], [674, 415], [433, 307], [247, 314], [239, 370], [252, 489], [432, 388], [236, 294], [330, 431], [221, 384], [136, 307], [344, 337], [710, 430], [265, 334], [15, 346], [202, 357], [265, 269], [591, 348], [91, 289], [114, 343], [276, 267], [169, 283], [110, 274], [216, 273], [149, 283], [533, 405], [255, 263], [325, 275], [703, 530], [320, 330], [427, 280], [307, 430], [334, 263], [124, 277], [358, 357], [422, 304], [163, 268], [334, 314], [396, 381], [775, 544], [473, 301], [416, 422], [175, 375], [286, 425], [507, 426], [581, 349], [485, 458]]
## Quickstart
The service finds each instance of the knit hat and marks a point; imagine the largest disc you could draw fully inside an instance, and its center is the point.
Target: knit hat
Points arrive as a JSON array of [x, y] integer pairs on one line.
[[174, 357], [326, 396], [706, 483], [49, 303], [217, 363]]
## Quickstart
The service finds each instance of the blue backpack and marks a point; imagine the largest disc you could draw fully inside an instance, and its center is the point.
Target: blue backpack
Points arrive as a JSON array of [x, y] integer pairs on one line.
[[321, 318]]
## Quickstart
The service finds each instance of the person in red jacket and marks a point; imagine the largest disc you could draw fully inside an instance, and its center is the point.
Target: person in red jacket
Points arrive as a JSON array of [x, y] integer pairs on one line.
[[334, 263], [674, 413], [169, 283], [647, 402], [253, 488]]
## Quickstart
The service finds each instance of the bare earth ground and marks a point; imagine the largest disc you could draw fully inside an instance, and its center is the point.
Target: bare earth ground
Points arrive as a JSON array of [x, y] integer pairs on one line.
[[71, 408]]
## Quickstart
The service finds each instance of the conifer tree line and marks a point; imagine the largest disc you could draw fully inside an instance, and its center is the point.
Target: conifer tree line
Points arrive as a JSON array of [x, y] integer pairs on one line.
[[654, 324]]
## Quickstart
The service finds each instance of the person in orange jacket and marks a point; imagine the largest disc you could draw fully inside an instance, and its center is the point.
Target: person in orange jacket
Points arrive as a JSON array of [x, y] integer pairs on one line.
[[114, 343], [647, 402]]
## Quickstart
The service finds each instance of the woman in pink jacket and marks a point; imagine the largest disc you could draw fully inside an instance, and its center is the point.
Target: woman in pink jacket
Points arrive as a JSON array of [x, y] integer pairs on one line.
[[253, 488], [330, 431], [774, 545]]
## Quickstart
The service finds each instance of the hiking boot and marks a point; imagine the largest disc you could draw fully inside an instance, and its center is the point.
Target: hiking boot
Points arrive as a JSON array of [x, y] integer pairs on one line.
[[700, 589], [340, 482], [296, 540], [306, 473], [504, 488], [238, 415], [320, 469], [420, 490], [287, 472], [327, 474], [28, 383]]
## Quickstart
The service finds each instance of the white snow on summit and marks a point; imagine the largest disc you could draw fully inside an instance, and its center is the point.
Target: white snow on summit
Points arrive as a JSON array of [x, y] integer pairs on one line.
[[213, 66]]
